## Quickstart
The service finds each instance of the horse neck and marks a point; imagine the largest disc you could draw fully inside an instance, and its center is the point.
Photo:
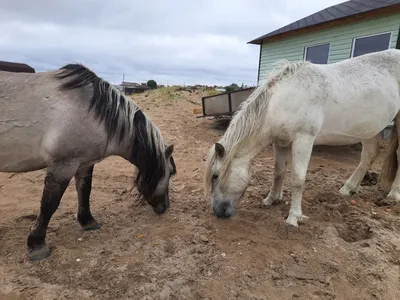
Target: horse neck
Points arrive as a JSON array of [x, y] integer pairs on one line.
[[122, 146], [245, 138], [246, 151], [247, 147]]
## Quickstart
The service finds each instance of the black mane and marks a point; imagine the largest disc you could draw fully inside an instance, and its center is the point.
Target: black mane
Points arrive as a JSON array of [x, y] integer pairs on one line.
[[147, 156], [111, 111]]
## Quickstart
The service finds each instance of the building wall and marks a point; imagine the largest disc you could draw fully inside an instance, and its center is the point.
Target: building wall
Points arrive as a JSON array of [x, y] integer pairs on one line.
[[340, 37]]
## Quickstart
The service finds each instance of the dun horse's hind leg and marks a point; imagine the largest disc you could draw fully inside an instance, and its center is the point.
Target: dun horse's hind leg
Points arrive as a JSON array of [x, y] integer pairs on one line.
[[55, 183], [301, 153], [275, 194], [83, 185], [369, 154]]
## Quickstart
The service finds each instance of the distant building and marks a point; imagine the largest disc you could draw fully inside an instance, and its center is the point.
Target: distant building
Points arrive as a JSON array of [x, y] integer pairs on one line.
[[339, 32], [15, 67], [133, 87]]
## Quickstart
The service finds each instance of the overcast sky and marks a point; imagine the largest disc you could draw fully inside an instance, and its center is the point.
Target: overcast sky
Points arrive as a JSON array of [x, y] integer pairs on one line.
[[174, 41]]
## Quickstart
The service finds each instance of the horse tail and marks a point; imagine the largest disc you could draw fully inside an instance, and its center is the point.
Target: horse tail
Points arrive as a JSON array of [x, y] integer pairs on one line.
[[391, 163]]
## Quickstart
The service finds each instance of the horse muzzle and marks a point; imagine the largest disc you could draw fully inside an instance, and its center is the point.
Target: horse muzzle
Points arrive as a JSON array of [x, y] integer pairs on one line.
[[160, 204], [224, 209]]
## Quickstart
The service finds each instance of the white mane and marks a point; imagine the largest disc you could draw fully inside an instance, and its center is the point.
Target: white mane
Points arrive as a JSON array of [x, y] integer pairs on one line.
[[248, 119]]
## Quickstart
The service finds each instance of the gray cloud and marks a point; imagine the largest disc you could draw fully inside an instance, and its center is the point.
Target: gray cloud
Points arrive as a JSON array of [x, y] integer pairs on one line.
[[178, 41]]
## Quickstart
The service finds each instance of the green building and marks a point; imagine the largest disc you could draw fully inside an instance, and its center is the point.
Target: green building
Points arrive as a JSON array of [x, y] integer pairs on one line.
[[339, 32]]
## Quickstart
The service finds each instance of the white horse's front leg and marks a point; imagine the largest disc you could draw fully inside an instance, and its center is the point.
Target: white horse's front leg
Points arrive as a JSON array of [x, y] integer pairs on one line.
[[275, 194], [301, 153], [369, 154]]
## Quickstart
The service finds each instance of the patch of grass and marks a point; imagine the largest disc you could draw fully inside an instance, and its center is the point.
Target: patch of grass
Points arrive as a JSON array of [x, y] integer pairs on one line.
[[209, 92], [165, 93], [168, 92]]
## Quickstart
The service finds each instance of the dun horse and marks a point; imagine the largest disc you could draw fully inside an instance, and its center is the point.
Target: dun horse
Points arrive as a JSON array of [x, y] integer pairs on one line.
[[67, 120], [301, 105]]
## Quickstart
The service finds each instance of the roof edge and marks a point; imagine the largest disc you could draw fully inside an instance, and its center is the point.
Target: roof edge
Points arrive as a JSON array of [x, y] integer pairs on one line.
[[388, 9]]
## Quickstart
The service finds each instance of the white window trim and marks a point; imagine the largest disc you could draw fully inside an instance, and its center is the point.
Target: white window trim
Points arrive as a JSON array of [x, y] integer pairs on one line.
[[306, 48], [371, 35]]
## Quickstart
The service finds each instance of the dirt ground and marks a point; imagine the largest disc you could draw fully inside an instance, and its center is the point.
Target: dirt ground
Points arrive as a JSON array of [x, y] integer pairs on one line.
[[345, 251]]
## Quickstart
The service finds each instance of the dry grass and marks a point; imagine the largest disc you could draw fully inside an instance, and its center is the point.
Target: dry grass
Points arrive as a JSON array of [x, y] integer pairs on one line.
[[174, 93], [209, 92]]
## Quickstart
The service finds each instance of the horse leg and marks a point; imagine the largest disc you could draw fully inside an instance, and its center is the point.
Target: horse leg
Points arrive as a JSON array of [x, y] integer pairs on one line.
[[390, 169], [301, 153], [56, 182], [369, 154], [275, 194], [83, 185]]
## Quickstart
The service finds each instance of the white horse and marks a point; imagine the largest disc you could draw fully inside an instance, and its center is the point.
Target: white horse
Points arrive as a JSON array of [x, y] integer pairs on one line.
[[66, 121], [301, 105]]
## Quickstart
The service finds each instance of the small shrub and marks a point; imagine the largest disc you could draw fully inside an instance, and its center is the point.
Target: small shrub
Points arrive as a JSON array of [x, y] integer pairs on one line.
[[152, 84], [232, 87]]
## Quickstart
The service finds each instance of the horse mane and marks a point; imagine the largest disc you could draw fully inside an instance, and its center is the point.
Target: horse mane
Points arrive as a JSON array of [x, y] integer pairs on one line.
[[248, 119], [148, 155], [110, 105], [118, 112]]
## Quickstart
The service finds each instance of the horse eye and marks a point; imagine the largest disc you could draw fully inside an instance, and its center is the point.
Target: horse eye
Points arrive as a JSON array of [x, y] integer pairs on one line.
[[215, 177]]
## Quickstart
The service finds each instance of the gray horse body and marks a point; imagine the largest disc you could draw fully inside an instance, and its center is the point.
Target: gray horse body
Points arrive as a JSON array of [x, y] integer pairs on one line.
[[39, 124], [66, 121]]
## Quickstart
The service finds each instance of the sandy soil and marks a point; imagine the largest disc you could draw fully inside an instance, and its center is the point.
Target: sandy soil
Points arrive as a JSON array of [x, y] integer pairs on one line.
[[345, 251]]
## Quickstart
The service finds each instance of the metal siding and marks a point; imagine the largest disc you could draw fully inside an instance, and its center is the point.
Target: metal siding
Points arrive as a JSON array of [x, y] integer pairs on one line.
[[340, 39]]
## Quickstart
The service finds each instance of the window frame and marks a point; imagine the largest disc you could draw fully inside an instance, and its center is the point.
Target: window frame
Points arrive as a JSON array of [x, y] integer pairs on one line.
[[353, 46], [316, 45]]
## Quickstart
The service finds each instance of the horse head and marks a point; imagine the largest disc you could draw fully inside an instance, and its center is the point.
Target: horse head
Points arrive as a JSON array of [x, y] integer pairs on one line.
[[227, 179]]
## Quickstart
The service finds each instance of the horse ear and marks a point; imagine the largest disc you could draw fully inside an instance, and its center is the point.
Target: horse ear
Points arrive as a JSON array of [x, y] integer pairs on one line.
[[169, 151], [220, 150]]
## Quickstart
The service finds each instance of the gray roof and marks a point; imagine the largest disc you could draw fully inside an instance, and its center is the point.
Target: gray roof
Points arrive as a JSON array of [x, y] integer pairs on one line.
[[338, 11]]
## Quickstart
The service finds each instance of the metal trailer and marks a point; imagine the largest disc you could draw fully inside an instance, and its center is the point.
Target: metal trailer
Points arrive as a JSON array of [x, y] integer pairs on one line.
[[224, 104]]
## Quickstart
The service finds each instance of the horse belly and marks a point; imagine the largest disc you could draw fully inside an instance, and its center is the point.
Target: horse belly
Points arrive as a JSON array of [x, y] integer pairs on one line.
[[21, 164], [354, 120], [20, 150]]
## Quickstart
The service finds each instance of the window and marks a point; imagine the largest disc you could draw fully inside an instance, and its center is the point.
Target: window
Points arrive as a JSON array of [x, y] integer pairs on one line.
[[317, 54], [373, 43]]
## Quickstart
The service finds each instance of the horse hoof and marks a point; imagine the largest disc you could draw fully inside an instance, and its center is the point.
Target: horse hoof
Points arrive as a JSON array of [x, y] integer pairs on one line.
[[393, 198], [39, 253], [269, 202], [388, 201], [294, 221], [93, 225], [347, 192], [303, 219]]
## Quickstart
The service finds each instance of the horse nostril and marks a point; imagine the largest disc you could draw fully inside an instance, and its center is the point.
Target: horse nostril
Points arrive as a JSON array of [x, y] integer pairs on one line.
[[224, 205], [223, 210]]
